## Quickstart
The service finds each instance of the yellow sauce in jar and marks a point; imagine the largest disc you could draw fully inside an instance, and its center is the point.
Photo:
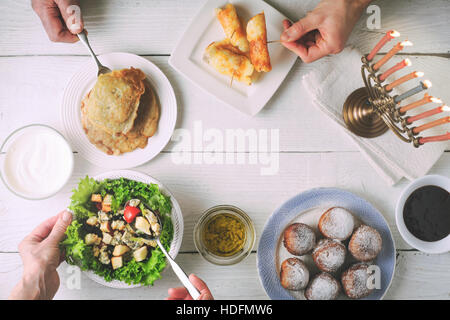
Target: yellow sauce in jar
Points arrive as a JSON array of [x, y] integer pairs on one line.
[[224, 235]]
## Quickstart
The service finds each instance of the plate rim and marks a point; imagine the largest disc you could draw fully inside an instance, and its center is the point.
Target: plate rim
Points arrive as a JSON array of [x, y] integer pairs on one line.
[[179, 60], [117, 284], [109, 158], [326, 189]]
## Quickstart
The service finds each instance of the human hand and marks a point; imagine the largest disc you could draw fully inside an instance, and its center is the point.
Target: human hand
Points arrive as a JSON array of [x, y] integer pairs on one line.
[[40, 257], [58, 19], [181, 293], [324, 30]]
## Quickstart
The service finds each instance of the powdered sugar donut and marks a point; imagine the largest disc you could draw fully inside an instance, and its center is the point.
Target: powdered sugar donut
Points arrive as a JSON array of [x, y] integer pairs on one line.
[[354, 281], [365, 243], [336, 223], [329, 255], [299, 239], [323, 287], [294, 274]]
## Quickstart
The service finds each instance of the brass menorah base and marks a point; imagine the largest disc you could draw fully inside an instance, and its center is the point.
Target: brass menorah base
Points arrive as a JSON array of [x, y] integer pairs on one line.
[[370, 111], [360, 116]]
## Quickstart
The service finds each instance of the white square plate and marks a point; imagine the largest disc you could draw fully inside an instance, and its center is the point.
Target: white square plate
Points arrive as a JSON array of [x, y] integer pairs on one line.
[[187, 57]]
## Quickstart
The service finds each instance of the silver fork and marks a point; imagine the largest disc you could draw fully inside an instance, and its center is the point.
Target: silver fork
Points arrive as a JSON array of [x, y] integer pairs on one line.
[[84, 39], [182, 276]]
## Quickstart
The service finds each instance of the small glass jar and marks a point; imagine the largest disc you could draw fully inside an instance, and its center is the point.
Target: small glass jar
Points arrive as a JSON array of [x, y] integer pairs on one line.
[[207, 217]]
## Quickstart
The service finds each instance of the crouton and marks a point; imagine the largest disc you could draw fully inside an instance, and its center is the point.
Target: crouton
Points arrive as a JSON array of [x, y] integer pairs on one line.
[[107, 202], [120, 250], [105, 227], [92, 221], [140, 254], [91, 238], [116, 262], [107, 238], [96, 198], [143, 225]]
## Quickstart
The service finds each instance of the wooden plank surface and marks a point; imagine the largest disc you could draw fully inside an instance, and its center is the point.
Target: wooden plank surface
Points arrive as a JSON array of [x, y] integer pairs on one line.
[[418, 276], [313, 152], [302, 128], [153, 27], [199, 187]]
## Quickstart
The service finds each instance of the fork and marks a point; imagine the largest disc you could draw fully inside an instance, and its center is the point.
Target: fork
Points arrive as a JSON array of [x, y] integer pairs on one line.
[[101, 68], [193, 291]]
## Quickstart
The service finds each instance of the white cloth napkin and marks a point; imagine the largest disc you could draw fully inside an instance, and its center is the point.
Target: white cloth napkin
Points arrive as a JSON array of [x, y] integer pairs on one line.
[[329, 84]]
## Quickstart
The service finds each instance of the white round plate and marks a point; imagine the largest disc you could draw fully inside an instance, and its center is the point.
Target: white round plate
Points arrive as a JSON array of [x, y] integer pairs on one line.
[[83, 81], [176, 215]]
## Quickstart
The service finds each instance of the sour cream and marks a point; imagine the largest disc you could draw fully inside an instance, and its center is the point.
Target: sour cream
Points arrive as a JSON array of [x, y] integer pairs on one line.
[[37, 163]]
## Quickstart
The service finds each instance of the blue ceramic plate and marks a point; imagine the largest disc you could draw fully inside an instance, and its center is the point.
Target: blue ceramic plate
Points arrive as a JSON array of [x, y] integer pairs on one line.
[[309, 205]]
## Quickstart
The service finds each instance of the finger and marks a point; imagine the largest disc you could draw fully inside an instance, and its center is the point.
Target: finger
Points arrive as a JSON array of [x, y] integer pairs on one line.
[[53, 25], [286, 24], [308, 52], [57, 233], [198, 283], [71, 14], [42, 230], [309, 37], [205, 294], [315, 52], [298, 48], [178, 293], [299, 29]]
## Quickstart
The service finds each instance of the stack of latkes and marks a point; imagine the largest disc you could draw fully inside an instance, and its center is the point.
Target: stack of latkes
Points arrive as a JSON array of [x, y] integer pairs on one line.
[[121, 112]]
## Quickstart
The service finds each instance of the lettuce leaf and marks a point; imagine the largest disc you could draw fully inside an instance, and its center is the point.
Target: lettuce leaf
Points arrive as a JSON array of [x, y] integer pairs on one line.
[[74, 243], [80, 203], [86, 187], [124, 190]]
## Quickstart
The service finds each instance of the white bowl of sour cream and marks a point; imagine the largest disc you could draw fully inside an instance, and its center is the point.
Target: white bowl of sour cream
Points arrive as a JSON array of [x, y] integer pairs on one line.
[[36, 162]]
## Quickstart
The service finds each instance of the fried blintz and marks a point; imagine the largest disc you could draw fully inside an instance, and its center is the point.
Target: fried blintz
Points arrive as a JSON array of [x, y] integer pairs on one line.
[[146, 122], [228, 60], [145, 126], [232, 27], [113, 103], [257, 38]]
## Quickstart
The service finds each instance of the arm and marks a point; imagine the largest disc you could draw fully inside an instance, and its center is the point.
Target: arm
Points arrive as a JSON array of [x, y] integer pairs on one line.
[[324, 30], [41, 256]]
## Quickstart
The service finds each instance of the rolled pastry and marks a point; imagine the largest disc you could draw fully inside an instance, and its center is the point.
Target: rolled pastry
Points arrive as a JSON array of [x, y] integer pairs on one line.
[[232, 26], [257, 37], [229, 61]]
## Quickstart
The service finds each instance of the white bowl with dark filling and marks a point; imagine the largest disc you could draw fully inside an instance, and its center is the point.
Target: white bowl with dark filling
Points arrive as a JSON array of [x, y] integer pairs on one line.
[[423, 214]]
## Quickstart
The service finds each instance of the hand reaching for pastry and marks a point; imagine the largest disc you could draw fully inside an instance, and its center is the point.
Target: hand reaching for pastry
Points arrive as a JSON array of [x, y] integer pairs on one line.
[[181, 293], [324, 30], [60, 19]]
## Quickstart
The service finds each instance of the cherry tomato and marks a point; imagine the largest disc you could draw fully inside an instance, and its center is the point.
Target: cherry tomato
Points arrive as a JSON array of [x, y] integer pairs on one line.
[[98, 205], [130, 213]]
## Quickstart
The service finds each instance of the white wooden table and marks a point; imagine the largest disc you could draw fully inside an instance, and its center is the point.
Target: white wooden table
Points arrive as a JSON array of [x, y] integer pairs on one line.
[[313, 152]]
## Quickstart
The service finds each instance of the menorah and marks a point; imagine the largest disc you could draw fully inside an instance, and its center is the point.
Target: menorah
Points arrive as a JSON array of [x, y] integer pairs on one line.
[[372, 110]]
